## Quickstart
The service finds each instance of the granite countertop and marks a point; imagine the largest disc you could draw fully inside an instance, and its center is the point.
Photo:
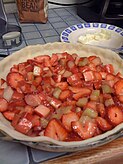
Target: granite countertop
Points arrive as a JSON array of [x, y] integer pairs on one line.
[[33, 33]]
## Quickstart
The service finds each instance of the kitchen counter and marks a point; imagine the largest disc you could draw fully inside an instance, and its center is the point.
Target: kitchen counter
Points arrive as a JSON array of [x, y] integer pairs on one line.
[[15, 153], [36, 33]]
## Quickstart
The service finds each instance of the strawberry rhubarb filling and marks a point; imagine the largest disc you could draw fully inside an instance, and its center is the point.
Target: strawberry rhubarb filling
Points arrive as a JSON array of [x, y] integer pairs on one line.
[[63, 96]]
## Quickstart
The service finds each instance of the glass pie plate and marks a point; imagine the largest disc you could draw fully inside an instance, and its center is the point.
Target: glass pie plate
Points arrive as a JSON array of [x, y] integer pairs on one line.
[[43, 142]]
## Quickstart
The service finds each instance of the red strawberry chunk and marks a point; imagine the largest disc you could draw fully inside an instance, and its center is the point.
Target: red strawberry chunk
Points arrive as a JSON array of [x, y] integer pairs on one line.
[[9, 115], [73, 79], [84, 92], [118, 86], [62, 85], [24, 125], [101, 109], [35, 120], [65, 94], [109, 68], [14, 78], [84, 131], [17, 95], [120, 97], [115, 115], [103, 124], [68, 118], [3, 105], [55, 130]]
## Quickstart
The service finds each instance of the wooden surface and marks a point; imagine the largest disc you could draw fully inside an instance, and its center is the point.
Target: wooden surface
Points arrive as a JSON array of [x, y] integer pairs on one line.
[[110, 153]]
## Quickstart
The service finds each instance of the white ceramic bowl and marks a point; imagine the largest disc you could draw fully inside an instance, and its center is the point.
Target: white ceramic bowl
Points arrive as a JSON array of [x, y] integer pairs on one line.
[[72, 33]]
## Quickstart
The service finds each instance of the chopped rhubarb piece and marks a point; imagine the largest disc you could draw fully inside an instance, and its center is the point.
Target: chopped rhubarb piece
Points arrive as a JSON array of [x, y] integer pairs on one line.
[[56, 92], [82, 102], [90, 112], [42, 111], [33, 100], [37, 71], [89, 76]]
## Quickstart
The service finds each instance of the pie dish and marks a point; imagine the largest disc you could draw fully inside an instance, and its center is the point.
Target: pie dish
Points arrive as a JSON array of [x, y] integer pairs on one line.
[[43, 142]]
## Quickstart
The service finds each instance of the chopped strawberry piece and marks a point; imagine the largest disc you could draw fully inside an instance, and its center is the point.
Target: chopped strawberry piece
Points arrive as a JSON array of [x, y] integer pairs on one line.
[[73, 79], [37, 81], [3, 105], [15, 104], [42, 111], [97, 76], [17, 95], [84, 131], [101, 109], [54, 59], [92, 105], [69, 103], [23, 126], [9, 115], [115, 115], [73, 137], [65, 94], [68, 118], [57, 78], [29, 68], [109, 68], [120, 97], [14, 78], [55, 130], [33, 100], [45, 59], [84, 68], [78, 89], [110, 76], [35, 119], [28, 109], [84, 92], [103, 124], [118, 86], [62, 85], [103, 74], [16, 119], [24, 87], [90, 58]]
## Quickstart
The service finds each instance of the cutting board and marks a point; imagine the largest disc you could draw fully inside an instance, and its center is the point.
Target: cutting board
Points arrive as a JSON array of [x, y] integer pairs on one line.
[[110, 153]]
